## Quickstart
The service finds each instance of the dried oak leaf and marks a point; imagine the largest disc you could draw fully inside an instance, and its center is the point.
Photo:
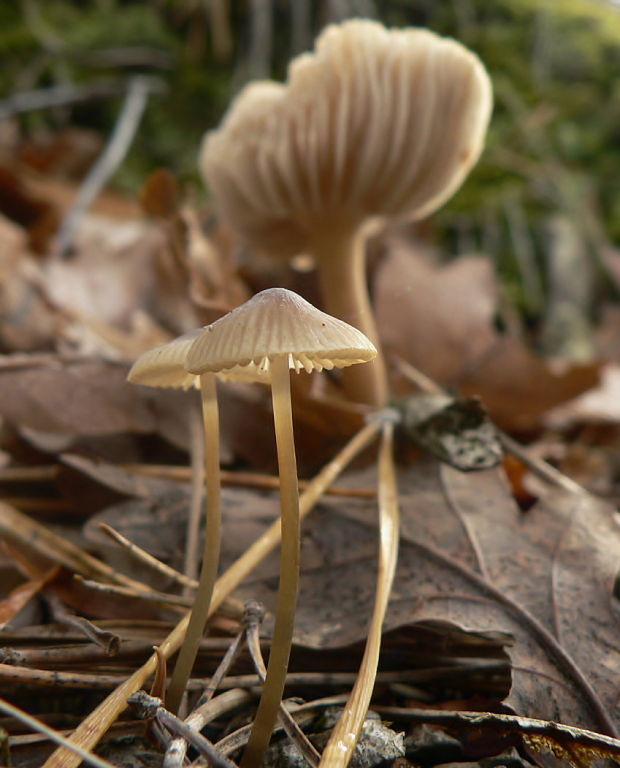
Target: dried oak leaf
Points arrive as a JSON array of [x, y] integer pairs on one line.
[[469, 557], [87, 398], [440, 319]]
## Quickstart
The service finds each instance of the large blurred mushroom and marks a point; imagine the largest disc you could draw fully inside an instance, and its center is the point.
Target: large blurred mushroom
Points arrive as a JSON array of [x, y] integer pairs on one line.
[[375, 123]]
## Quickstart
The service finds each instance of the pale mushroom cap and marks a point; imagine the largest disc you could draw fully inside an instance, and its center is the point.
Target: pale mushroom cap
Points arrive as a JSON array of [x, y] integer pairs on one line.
[[273, 323], [373, 123], [163, 366]]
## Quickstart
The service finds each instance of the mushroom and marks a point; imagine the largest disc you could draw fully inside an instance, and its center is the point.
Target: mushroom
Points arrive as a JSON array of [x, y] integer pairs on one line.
[[162, 366], [375, 123], [277, 331]]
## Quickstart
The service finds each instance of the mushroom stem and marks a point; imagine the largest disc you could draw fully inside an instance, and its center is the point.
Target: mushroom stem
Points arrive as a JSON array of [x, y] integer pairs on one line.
[[289, 567], [341, 262], [211, 553]]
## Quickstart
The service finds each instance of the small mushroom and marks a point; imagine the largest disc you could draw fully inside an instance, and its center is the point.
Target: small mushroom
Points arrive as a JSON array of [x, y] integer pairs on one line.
[[277, 331], [375, 123], [162, 366]]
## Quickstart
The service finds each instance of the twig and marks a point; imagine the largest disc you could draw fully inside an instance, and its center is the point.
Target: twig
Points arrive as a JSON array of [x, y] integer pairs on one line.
[[59, 95], [239, 738], [237, 478], [303, 713], [24, 531], [44, 678], [163, 598], [40, 727], [261, 38], [294, 732], [36, 474], [111, 158], [150, 707], [146, 557], [108, 641], [203, 745], [177, 749]]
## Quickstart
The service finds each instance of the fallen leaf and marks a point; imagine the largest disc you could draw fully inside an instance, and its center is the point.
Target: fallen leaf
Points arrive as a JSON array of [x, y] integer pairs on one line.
[[518, 388], [440, 319], [469, 557], [88, 398], [36, 215]]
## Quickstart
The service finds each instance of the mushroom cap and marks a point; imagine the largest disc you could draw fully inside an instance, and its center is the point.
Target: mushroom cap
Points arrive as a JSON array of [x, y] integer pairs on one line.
[[373, 123], [273, 323], [163, 366]]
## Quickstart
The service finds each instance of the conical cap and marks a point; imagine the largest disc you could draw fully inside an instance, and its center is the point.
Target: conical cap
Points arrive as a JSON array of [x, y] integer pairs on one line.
[[273, 323], [163, 366]]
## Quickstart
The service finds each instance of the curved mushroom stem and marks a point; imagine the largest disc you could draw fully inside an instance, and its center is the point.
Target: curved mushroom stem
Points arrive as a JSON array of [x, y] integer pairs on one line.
[[211, 553], [341, 264], [289, 567]]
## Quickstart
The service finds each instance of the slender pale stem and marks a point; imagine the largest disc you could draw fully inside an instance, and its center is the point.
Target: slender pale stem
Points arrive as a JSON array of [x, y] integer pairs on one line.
[[269, 704], [343, 739], [341, 263], [211, 554], [94, 725], [192, 539]]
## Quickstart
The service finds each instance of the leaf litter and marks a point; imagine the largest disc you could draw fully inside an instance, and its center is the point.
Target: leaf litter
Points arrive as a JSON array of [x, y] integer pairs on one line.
[[490, 604]]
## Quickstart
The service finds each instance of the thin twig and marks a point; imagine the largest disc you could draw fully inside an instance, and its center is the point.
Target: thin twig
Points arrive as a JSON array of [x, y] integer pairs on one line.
[[40, 727], [197, 740], [108, 162], [303, 714], [238, 478], [145, 557], [150, 707], [235, 697], [60, 95]]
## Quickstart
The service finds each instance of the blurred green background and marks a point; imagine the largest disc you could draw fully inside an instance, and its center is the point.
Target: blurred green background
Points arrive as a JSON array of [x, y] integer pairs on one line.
[[553, 154]]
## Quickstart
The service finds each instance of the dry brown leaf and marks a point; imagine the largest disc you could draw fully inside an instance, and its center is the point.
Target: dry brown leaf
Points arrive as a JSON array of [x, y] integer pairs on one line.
[[88, 398], [440, 319], [36, 215], [471, 558], [26, 321], [518, 388], [111, 271]]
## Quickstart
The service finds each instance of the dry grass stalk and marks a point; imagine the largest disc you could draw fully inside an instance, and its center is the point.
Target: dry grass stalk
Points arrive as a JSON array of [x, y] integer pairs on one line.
[[345, 735]]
